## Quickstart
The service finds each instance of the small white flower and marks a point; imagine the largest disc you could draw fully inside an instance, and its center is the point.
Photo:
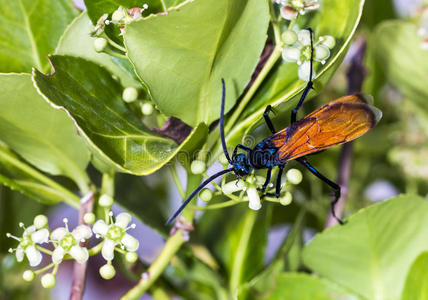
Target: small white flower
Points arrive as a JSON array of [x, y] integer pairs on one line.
[[300, 52], [67, 242], [27, 244], [114, 234]]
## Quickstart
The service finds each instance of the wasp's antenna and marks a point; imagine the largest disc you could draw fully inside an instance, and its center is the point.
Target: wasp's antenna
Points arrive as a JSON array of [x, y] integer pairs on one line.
[[223, 141], [199, 188]]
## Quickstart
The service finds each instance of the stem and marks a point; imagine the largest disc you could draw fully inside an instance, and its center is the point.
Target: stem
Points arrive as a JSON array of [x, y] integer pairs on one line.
[[69, 198], [241, 252], [355, 75], [115, 45], [107, 184], [44, 269], [219, 205], [79, 270], [44, 250], [276, 53], [96, 249], [177, 182], [172, 245]]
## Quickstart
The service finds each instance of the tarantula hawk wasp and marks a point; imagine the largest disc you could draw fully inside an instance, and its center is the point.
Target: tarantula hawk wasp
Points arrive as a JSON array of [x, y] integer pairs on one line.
[[337, 122]]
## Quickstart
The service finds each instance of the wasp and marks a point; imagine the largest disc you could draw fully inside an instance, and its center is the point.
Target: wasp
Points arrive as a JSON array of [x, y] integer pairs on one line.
[[337, 122]]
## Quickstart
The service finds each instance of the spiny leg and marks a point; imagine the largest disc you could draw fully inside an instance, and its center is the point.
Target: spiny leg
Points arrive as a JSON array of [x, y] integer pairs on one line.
[[308, 86], [268, 120], [268, 174], [332, 184], [278, 184]]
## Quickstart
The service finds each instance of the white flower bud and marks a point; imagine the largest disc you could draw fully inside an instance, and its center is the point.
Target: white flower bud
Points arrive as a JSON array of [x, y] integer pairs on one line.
[[328, 41], [197, 166], [321, 53], [130, 94], [288, 13], [147, 108], [28, 275], [131, 257], [291, 54], [89, 218], [304, 37], [48, 281], [206, 195], [100, 44], [40, 221], [254, 198], [107, 271], [286, 199], [294, 176], [304, 71], [118, 15], [289, 37], [105, 201], [233, 186]]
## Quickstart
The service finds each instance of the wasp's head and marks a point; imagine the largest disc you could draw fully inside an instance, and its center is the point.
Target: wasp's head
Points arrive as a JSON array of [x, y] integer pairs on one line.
[[240, 165]]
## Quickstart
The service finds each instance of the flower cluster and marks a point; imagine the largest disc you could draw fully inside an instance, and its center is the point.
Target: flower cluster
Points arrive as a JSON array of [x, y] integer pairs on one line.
[[290, 9], [69, 244], [252, 184], [120, 17], [299, 50]]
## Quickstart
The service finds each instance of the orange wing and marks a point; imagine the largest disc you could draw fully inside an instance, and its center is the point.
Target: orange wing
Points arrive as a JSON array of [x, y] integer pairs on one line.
[[337, 122]]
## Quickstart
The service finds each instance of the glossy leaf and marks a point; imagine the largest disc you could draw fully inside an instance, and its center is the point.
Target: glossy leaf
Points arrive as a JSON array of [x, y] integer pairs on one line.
[[373, 252], [42, 135], [183, 67], [21, 177], [93, 99], [402, 59], [76, 41], [416, 287], [301, 286], [282, 84], [29, 30]]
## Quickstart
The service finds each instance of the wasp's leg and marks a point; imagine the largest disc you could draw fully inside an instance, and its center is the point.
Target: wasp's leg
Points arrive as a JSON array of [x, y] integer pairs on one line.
[[308, 86], [268, 120], [278, 184], [239, 146], [268, 174], [334, 185]]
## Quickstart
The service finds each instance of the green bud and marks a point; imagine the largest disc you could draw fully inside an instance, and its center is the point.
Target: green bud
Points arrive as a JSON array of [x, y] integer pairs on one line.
[[286, 199], [147, 108], [105, 201], [321, 53], [223, 159], [107, 271], [28, 275], [197, 166], [131, 257], [40, 221], [130, 94], [289, 37], [100, 44], [294, 176], [48, 281], [89, 218], [206, 195]]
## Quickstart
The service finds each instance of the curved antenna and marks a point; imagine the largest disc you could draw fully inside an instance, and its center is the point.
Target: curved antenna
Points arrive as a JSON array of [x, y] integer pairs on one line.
[[223, 141], [193, 194]]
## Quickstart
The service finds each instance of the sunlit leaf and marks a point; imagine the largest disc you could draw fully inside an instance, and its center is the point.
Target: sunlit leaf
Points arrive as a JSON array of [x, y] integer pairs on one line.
[[416, 287]]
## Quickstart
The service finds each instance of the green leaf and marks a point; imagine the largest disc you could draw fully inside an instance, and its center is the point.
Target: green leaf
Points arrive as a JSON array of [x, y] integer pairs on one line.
[[42, 135], [19, 176], [300, 286], [416, 287], [93, 99], [183, 55], [29, 30], [97, 8], [404, 62], [283, 84], [76, 41], [238, 243], [372, 253]]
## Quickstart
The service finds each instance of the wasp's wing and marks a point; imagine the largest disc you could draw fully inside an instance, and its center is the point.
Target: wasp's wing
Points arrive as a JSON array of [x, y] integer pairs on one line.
[[337, 122]]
